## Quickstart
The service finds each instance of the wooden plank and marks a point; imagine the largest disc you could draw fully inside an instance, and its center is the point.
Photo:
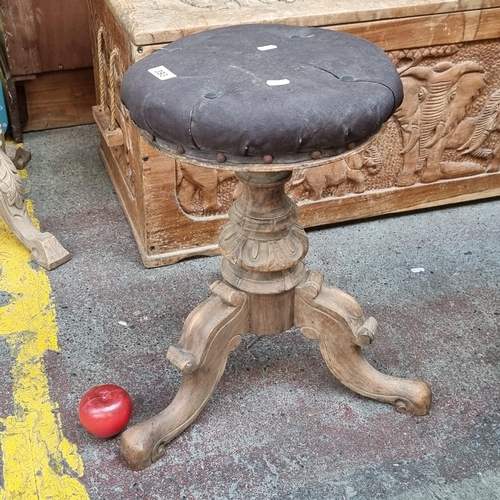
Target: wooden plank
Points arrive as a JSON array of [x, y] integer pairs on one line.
[[417, 32], [149, 22], [334, 211], [19, 30], [15, 110], [60, 99], [442, 29], [63, 34], [396, 200]]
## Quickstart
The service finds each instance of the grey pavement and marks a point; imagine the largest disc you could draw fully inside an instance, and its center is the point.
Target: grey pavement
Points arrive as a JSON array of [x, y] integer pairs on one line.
[[279, 426]]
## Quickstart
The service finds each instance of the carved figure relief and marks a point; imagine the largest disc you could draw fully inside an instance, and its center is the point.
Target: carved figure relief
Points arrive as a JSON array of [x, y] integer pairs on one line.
[[201, 187], [472, 132], [448, 126], [334, 178], [441, 138]]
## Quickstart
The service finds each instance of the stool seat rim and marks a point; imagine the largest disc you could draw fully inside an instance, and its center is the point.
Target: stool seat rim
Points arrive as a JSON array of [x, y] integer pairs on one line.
[[252, 164]]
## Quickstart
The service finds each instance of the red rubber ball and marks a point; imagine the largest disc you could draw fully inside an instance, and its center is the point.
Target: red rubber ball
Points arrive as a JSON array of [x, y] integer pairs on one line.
[[105, 410]]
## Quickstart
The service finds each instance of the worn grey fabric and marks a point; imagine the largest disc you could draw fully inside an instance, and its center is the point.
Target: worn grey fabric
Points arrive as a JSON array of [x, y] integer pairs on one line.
[[253, 90]]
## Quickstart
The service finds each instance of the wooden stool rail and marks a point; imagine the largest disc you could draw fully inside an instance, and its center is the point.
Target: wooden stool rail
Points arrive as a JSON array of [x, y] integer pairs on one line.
[[263, 100]]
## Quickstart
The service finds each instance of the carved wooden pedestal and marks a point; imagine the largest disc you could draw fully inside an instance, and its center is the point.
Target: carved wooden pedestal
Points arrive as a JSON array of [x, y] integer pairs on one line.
[[266, 290]]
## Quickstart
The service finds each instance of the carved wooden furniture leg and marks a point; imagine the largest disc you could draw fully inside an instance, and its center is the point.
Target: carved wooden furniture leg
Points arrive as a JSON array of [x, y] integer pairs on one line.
[[336, 321], [45, 248], [210, 333]]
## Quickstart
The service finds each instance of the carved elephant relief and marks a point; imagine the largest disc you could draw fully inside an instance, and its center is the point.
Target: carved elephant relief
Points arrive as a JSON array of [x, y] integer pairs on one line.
[[472, 132], [432, 118]]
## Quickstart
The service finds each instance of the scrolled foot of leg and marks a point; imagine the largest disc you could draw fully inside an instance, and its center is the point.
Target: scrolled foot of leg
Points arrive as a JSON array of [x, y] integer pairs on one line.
[[418, 398], [210, 333], [142, 445], [336, 321]]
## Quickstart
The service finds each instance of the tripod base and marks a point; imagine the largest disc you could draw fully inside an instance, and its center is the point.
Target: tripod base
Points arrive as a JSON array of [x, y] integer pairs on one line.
[[215, 328]]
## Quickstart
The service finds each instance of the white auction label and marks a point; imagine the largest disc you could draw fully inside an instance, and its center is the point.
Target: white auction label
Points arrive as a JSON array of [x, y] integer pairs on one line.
[[162, 73], [267, 47], [273, 83]]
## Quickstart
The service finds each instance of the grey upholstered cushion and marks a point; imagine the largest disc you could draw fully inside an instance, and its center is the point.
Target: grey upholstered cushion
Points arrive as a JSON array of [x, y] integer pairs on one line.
[[254, 90]]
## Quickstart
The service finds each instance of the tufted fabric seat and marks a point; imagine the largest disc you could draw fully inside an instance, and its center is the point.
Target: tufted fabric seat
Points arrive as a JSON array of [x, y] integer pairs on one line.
[[262, 93]]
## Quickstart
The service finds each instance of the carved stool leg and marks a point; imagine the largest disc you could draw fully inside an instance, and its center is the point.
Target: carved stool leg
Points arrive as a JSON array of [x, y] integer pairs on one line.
[[336, 321], [210, 333], [45, 248]]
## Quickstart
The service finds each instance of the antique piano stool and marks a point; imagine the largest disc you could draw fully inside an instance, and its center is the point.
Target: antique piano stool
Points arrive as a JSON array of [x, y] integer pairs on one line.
[[263, 100]]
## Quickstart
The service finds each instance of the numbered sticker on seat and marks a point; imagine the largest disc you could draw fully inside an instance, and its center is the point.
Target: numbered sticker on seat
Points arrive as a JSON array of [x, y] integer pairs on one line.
[[162, 73]]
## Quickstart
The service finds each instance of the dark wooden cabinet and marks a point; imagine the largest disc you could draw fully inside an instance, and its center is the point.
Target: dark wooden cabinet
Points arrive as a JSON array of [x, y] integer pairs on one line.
[[49, 76]]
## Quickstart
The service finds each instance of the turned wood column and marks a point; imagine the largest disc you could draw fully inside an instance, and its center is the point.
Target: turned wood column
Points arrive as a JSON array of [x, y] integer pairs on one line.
[[263, 249]]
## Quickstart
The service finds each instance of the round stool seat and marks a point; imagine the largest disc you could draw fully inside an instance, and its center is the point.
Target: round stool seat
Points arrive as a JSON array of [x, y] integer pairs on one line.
[[262, 94]]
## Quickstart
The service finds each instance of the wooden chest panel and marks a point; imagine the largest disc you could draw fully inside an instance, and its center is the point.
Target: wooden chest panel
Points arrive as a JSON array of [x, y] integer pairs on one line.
[[442, 146]]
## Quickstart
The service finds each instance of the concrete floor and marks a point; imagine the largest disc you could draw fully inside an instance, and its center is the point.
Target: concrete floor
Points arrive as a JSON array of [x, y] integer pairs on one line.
[[279, 426]]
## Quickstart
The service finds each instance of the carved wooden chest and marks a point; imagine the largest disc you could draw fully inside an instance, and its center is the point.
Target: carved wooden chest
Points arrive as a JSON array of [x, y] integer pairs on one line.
[[442, 146]]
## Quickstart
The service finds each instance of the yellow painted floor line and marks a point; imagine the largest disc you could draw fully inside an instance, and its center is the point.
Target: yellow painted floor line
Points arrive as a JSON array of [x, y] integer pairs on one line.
[[38, 461]]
